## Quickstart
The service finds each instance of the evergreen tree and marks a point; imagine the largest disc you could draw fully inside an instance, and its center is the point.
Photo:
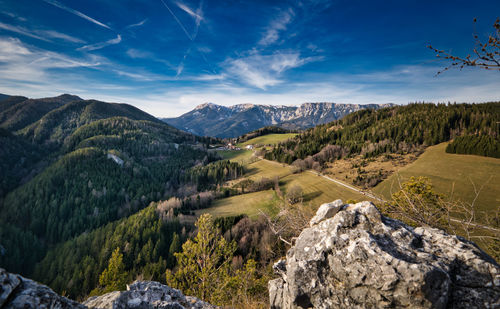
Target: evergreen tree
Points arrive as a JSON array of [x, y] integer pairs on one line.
[[204, 265], [114, 278]]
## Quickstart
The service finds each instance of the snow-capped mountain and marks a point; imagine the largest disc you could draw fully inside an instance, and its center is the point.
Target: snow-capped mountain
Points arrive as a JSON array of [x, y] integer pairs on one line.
[[210, 119]]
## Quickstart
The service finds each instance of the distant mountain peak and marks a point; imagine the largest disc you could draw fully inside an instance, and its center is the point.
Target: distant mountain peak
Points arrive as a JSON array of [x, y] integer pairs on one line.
[[206, 105]]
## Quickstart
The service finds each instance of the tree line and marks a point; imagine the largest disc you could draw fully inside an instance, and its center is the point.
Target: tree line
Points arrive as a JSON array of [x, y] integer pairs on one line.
[[400, 129]]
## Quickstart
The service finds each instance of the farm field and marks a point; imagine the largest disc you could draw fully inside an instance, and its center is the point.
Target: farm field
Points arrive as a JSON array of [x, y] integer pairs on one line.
[[452, 175], [242, 156], [269, 139], [317, 190], [248, 204]]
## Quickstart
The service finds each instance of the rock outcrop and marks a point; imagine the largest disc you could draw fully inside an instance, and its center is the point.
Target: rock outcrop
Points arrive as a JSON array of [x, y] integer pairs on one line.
[[360, 259], [145, 295], [17, 292]]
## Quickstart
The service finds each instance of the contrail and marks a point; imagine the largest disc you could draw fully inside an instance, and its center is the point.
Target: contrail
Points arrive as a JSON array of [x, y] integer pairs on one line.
[[100, 45], [137, 24], [178, 21], [77, 13], [198, 19]]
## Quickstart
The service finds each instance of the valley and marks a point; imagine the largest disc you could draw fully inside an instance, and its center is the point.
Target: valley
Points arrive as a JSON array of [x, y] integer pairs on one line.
[[88, 178], [249, 154]]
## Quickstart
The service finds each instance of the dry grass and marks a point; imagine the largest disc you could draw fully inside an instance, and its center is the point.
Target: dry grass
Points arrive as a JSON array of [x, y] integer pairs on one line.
[[380, 167], [456, 176]]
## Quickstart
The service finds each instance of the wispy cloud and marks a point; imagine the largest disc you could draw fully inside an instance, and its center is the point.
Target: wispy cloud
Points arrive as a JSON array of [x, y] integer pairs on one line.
[[209, 77], [40, 34], [142, 22], [59, 35], [77, 13], [139, 54], [22, 31], [279, 24], [143, 54], [20, 62], [100, 45], [196, 15], [14, 16], [262, 71]]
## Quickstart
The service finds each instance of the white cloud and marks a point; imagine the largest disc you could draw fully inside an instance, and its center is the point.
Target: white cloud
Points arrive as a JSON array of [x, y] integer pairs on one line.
[[263, 71], [77, 13], [24, 64], [22, 31], [100, 45], [208, 77], [279, 24], [14, 16], [196, 15], [40, 34], [12, 48], [59, 35], [139, 54]]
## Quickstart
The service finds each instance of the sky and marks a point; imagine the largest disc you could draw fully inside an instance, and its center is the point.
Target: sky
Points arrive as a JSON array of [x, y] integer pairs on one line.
[[168, 56]]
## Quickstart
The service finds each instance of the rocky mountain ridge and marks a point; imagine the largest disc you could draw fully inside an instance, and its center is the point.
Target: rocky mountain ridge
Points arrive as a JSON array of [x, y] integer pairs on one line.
[[210, 119]]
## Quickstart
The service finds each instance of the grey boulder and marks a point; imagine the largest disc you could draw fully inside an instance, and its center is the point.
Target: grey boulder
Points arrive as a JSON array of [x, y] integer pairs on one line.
[[361, 259], [19, 292], [145, 295]]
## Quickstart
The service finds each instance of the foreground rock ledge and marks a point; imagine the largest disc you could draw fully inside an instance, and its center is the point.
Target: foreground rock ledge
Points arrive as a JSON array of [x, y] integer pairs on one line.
[[19, 292], [361, 259]]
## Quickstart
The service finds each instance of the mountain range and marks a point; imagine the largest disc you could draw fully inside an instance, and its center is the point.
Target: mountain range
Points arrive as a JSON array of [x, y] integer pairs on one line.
[[210, 119]]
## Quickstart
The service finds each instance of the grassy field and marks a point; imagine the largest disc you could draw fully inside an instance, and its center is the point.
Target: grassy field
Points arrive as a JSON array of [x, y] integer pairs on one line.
[[241, 156], [269, 139], [249, 204], [453, 175], [317, 190], [269, 169]]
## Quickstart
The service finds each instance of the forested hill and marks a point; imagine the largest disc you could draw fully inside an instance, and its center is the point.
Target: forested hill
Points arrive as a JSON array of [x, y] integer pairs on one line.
[[390, 130], [59, 123], [85, 164], [16, 112]]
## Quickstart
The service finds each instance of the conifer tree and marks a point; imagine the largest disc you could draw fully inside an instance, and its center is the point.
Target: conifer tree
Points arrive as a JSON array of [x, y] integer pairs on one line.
[[204, 265], [114, 278]]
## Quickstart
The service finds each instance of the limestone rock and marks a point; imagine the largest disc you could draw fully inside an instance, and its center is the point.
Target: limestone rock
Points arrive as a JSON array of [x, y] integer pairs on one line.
[[361, 259], [145, 295], [326, 211], [19, 292]]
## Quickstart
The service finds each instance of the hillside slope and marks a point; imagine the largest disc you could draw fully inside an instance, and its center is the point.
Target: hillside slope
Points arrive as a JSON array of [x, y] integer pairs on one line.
[[80, 166], [18, 112], [59, 123], [220, 121]]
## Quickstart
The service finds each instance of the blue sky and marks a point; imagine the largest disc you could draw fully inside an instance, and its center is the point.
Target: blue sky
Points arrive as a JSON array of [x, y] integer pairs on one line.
[[167, 56]]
